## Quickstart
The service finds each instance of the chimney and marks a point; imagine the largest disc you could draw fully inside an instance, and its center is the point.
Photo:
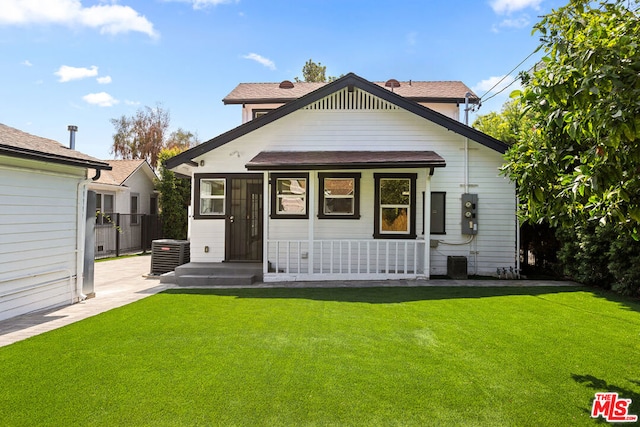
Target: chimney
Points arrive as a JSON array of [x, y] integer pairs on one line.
[[72, 136]]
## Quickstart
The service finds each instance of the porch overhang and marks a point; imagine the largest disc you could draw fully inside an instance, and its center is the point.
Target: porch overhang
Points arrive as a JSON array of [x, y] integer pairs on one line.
[[325, 160]]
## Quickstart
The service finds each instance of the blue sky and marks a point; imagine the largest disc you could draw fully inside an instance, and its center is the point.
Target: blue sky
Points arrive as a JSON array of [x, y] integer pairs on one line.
[[85, 62]]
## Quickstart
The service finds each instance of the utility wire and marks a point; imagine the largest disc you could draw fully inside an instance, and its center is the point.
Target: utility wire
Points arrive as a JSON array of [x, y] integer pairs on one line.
[[505, 76], [501, 90]]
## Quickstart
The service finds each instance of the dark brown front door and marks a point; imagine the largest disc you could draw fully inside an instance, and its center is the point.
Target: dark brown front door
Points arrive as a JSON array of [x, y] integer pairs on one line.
[[244, 222]]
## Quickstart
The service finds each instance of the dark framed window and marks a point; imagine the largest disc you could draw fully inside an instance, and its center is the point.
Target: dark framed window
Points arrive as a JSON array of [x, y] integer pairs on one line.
[[259, 112], [339, 195], [438, 212], [210, 193], [105, 209], [395, 206], [135, 220], [289, 195]]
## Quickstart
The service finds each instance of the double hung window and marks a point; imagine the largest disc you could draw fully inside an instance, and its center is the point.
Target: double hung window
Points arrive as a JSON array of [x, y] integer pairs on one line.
[[104, 208], [134, 209], [289, 196], [339, 195], [395, 202]]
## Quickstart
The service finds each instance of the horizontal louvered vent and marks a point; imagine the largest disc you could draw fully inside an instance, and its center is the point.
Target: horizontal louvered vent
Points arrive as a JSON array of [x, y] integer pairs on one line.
[[166, 255], [356, 100]]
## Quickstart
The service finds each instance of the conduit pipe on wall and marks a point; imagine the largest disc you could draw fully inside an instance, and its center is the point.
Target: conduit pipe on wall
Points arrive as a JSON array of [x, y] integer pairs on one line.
[[466, 143]]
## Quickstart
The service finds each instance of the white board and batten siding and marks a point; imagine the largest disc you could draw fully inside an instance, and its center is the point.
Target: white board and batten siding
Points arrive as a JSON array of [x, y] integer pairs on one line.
[[38, 235], [378, 126]]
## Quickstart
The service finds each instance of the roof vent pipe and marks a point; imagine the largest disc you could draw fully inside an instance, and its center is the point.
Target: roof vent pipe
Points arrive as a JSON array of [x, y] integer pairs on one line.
[[72, 136]]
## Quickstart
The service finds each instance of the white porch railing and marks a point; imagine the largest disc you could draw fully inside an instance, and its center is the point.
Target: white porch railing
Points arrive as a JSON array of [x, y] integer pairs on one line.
[[344, 259]]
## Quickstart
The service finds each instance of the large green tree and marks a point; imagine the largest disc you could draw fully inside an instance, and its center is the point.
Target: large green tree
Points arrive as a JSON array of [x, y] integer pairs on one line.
[[175, 194], [510, 125], [581, 163], [142, 135], [315, 72]]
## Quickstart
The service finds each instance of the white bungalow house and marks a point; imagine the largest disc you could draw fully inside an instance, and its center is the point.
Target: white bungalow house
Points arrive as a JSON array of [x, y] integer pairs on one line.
[[351, 180], [44, 220], [125, 194]]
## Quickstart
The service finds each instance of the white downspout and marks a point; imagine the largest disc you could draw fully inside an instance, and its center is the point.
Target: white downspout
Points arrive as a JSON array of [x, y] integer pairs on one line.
[[81, 220], [80, 235]]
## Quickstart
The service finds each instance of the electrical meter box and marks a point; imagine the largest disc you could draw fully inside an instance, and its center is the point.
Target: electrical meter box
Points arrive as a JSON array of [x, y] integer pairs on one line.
[[469, 214]]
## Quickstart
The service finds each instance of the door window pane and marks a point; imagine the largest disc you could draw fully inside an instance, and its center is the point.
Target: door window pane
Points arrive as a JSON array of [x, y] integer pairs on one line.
[[212, 195]]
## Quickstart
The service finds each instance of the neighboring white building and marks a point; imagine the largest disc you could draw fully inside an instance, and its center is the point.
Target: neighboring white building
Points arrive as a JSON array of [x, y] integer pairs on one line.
[[127, 189], [43, 217], [351, 180]]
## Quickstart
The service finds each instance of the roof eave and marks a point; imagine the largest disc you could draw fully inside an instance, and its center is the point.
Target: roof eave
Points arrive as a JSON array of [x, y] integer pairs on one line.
[[442, 100], [52, 158], [354, 165], [242, 101]]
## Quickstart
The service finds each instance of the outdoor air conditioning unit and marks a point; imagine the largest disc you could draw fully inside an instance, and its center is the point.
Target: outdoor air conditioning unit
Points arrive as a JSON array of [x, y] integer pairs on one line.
[[457, 267], [168, 254]]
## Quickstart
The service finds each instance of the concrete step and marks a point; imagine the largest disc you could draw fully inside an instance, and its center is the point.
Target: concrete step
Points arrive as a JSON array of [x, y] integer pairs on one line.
[[198, 280], [219, 268], [169, 277]]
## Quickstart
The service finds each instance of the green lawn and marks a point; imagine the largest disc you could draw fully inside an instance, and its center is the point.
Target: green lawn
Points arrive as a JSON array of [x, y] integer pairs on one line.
[[321, 357]]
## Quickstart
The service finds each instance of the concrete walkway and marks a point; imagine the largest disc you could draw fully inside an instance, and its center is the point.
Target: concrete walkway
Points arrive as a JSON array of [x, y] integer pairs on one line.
[[117, 283], [123, 281]]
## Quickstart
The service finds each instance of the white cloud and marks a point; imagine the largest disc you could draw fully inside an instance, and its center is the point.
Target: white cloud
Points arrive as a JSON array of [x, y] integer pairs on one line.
[[67, 73], [517, 23], [498, 88], [108, 18], [261, 60], [500, 83], [201, 4], [101, 99], [508, 6], [27, 63], [126, 101], [520, 22], [104, 80]]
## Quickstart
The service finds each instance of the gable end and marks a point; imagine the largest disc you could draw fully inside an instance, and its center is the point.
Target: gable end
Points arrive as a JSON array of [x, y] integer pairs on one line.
[[331, 93], [351, 98]]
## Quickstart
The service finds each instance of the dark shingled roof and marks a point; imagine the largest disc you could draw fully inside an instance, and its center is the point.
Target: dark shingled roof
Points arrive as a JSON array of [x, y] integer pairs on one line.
[[292, 160], [16, 143], [264, 93]]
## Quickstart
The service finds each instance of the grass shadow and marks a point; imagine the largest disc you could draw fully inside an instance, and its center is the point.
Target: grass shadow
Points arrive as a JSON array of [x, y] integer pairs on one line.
[[628, 303], [378, 295], [600, 385]]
